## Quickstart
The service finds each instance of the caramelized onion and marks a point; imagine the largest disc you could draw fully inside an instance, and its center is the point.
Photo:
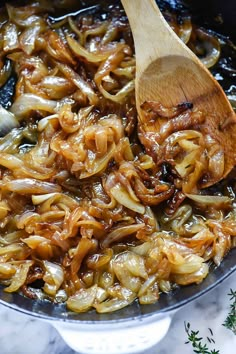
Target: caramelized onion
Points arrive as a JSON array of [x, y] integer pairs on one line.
[[122, 197], [7, 270], [30, 186], [34, 241], [28, 38], [112, 305], [82, 300], [208, 49], [79, 82], [5, 72], [10, 37], [53, 277], [215, 200], [8, 121], [29, 102], [100, 207], [80, 51], [121, 232], [185, 30], [19, 277]]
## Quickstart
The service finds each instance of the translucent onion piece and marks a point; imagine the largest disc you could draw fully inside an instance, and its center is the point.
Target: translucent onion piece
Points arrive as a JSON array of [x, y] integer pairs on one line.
[[76, 30], [176, 137], [8, 121], [79, 82], [121, 95], [28, 38], [104, 70], [53, 119], [187, 164], [13, 248], [150, 297], [54, 43], [196, 277], [56, 87], [101, 295], [10, 37], [146, 162], [217, 201], [26, 219], [29, 102], [10, 142], [210, 44], [14, 163], [24, 16], [222, 245], [185, 30], [38, 69], [122, 196], [19, 277], [119, 233], [165, 286], [7, 270], [4, 209], [128, 72], [99, 30], [61, 296], [80, 51], [39, 199], [34, 240], [30, 186], [85, 246], [120, 292], [5, 72], [149, 291], [98, 260], [133, 262], [55, 198], [142, 249], [180, 217], [146, 285], [191, 264], [106, 280], [12, 237], [129, 269], [217, 163], [112, 305], [82, 300], [9, 161], [99, 164], [54, 277]]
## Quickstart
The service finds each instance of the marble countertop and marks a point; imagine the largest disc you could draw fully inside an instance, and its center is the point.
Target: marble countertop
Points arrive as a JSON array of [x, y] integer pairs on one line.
[[21, 334]]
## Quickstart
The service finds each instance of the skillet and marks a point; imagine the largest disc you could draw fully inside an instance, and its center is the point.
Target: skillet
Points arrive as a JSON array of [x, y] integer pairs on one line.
[[135, 314]]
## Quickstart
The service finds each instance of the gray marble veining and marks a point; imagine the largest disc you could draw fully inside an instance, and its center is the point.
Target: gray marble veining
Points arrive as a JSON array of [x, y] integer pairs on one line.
[[21, 334]]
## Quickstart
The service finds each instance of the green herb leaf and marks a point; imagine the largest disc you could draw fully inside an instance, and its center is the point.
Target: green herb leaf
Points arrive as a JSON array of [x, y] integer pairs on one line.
[[198, 346], [230, 321]]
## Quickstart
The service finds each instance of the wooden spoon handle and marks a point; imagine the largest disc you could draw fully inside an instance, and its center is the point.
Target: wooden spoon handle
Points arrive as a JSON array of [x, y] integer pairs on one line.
[[148, 26]]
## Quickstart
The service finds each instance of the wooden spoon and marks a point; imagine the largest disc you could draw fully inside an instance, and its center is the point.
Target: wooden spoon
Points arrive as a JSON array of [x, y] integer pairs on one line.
[[168, 72]]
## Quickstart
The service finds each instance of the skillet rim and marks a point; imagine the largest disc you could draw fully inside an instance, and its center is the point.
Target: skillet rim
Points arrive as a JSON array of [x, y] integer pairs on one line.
[[167, 303]]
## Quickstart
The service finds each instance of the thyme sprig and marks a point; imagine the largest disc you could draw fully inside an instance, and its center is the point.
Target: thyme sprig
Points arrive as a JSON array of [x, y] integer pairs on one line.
[[196, 341], [230, 321]]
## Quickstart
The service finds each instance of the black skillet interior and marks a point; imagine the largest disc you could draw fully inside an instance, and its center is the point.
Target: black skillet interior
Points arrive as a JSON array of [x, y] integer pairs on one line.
[[180, 296]]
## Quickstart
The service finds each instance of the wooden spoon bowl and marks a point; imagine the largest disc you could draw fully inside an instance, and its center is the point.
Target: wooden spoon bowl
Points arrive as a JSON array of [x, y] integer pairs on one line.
[[168, 72]]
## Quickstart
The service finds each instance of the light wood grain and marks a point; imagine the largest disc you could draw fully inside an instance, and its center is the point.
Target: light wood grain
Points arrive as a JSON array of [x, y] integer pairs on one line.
[[168, 72]]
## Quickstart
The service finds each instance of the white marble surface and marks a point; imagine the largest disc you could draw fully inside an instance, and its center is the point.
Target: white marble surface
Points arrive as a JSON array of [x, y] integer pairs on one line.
[[20, 334]]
